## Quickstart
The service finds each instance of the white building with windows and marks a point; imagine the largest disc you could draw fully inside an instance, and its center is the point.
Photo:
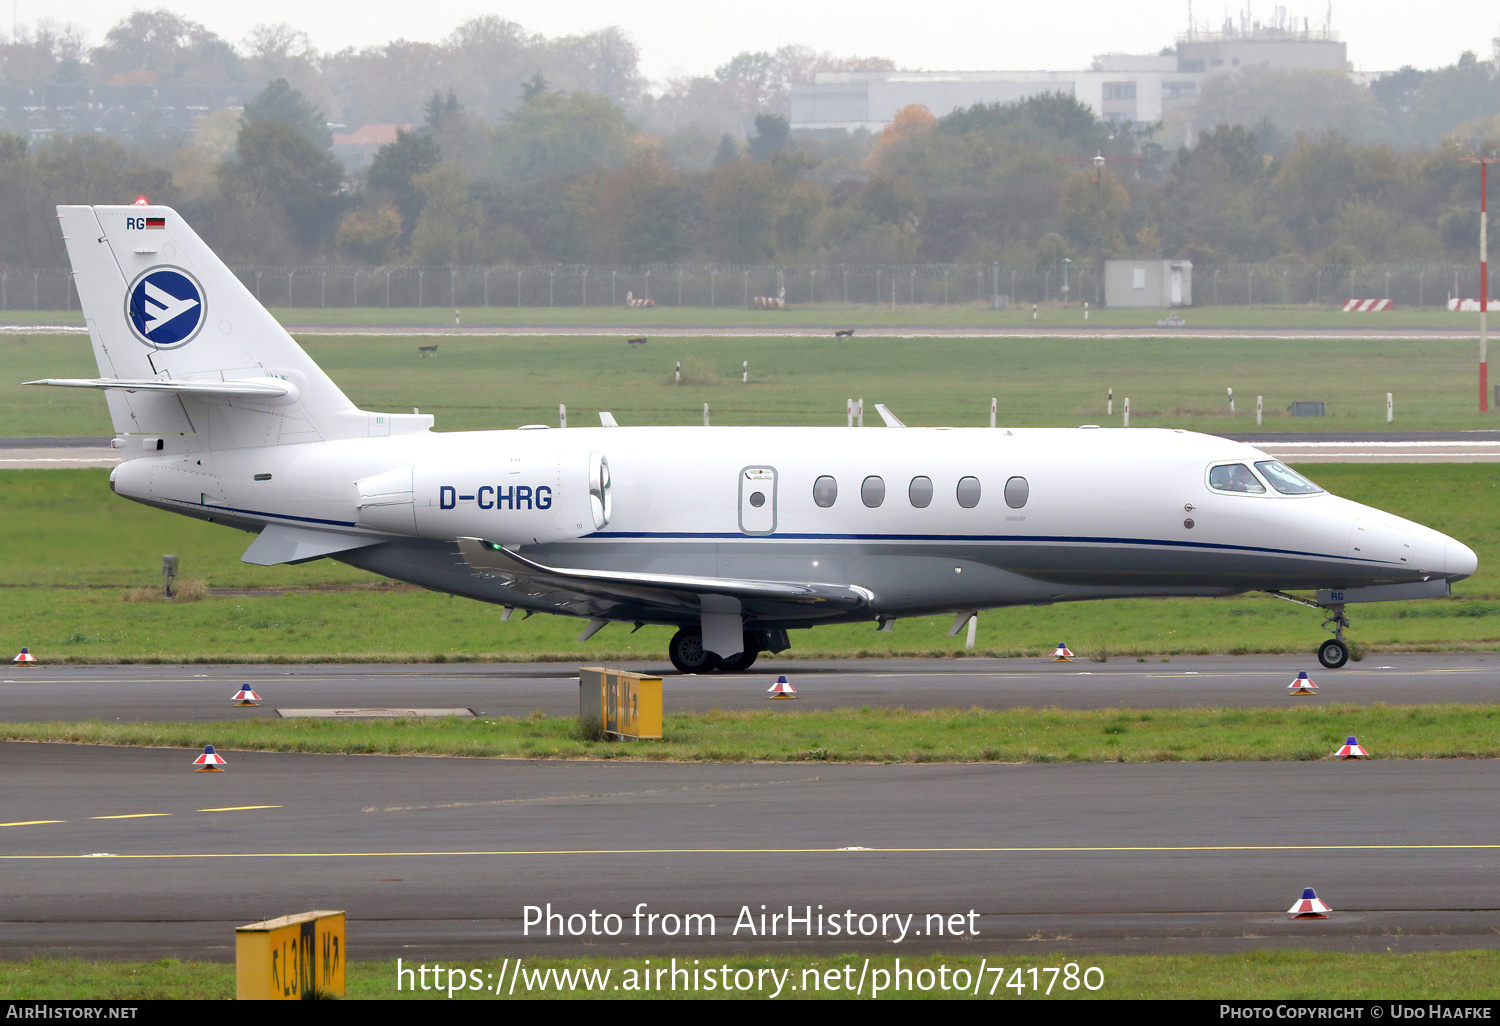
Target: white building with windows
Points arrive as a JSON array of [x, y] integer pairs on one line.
[[1117, 87]]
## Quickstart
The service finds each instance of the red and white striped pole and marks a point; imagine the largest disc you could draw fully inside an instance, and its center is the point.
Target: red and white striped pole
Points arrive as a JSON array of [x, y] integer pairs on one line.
[[1484, 282]]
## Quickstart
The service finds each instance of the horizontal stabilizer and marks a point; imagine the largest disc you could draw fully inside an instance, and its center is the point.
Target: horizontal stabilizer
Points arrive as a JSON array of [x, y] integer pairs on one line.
[[483, 555], [282, 543], [265, 389]]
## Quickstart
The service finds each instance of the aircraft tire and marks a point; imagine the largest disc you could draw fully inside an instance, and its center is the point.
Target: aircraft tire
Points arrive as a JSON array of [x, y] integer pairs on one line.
[[1333, 653], [688, 654], [738, 663]]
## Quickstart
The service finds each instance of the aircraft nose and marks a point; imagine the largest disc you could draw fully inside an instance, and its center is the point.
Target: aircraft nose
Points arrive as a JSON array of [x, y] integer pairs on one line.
[[1459, 560]]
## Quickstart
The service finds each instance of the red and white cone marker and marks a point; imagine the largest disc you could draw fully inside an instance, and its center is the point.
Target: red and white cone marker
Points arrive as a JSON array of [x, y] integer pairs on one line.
[[1061, 654], [1308, 907], [25, 658], [781, 689], [1351, 750], [1303, 685], [244, 696], [210, 761]]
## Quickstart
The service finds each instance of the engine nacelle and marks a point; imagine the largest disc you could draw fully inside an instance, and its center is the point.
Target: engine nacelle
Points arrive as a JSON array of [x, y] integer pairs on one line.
[[528, 499]]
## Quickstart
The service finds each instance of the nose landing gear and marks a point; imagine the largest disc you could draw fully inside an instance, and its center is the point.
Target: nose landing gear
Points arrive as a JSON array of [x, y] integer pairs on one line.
[[1334, 652]]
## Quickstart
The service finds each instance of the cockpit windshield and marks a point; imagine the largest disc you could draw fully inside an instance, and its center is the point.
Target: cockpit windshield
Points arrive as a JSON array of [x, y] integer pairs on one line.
[[1234, 477], [1286, 480]]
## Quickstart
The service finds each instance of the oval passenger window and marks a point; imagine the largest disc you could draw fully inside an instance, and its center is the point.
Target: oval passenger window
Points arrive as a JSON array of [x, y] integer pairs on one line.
[[825, 491], [968, 492], [872, 492], [920, 492], [1017, 491]]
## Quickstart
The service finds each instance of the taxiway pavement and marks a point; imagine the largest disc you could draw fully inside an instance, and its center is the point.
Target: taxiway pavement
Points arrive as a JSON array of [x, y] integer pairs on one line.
[[127, 853], [167, 693]]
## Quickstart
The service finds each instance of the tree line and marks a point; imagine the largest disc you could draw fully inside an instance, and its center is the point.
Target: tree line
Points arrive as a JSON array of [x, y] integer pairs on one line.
[[574, 162]]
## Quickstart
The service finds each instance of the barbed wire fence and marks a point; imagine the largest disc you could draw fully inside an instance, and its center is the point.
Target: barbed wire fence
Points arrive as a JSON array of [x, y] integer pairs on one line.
[[737, 286]]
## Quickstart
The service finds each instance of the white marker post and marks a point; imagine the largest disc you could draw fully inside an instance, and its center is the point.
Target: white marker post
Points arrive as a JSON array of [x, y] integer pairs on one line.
[[1259, 405], [745, 375], [1127, 411], [859, 412], [1085, 310], [973, 629], [705, 414], [994, 405], [849, 412], [1109, 407], [1033, 311], [1231, 401], [677, 374], [1390, 408], [562, 415]]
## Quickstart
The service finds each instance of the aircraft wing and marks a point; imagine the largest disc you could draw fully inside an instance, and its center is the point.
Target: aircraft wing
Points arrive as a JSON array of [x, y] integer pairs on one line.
[[261, 388], [663, 589]]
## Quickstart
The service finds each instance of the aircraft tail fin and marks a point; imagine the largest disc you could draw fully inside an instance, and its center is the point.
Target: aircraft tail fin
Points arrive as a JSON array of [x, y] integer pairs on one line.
[[161, 306]]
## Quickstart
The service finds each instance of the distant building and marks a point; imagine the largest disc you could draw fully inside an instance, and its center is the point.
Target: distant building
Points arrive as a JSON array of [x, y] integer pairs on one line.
[[358, 148], [1153, 284], [133, 110], [1118, 87]]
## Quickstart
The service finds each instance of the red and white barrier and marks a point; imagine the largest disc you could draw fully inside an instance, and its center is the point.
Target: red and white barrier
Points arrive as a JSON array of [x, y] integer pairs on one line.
[[1472, 305], [1369, 305], [768, 302], [630, 300]]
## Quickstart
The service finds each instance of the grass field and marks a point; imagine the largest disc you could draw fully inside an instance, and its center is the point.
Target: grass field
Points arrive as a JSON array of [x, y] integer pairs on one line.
[[1254, 975], [74, 552], [883, 735], [502, 382]]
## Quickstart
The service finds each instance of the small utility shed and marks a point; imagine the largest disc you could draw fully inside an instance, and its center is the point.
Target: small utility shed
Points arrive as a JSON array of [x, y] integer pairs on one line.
[[1155, 284]]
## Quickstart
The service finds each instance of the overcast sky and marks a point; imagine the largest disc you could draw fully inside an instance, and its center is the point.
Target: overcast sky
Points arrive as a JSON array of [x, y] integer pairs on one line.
[[680, 38]]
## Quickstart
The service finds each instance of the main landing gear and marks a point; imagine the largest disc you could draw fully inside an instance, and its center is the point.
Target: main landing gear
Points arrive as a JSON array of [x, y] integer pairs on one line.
[[1334, 652], [689, 656]]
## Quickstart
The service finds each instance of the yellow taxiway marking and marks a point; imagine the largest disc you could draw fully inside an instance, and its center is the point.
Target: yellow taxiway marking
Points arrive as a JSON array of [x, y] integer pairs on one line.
[[240, 808], [133, 815], [33, 822], [1037, 850]]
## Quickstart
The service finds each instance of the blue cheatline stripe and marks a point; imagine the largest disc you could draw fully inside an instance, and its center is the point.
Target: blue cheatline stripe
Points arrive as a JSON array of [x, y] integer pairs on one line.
[[1009, 539]]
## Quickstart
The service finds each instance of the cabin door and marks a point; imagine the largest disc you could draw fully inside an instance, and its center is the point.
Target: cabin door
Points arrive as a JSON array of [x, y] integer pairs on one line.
[[758, 500]]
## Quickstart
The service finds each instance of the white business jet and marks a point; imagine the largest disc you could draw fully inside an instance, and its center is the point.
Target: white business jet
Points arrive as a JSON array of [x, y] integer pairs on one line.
[[732, 535]]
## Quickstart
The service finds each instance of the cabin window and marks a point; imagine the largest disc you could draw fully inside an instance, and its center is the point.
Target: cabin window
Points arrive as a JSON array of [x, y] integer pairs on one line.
[[1286, 480], [920, 492], [1017, 491], [1234, 477], [872, 492], [825, 491], [968, 492]]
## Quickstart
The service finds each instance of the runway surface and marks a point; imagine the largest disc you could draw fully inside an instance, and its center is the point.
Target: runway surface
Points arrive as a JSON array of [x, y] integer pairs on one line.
[[1394, 447], [164, 693], [126, 853]]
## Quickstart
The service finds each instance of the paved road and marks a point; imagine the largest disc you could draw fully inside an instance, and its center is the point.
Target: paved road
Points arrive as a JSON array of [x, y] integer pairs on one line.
[[161, 693], [126, 853]]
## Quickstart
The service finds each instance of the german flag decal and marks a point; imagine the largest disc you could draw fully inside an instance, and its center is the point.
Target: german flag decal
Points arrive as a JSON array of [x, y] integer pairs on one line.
[[156, 222]]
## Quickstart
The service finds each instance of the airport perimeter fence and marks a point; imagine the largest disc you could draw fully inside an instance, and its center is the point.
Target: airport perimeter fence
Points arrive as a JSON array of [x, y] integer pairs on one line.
[[707, 286]]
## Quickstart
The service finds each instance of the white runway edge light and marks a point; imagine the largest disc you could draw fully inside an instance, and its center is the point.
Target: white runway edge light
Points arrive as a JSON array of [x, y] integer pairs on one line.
[[1308, 906], [210, 761], [1351, 750], [1303, 685], [1061, 654], [781, 689]]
